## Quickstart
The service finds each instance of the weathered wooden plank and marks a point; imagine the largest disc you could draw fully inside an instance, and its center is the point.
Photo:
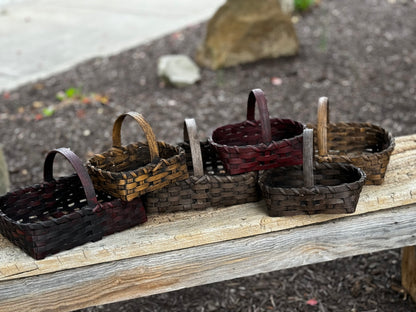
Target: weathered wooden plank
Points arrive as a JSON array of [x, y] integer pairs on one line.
[[141, 276], [182, 230], [409, 270]]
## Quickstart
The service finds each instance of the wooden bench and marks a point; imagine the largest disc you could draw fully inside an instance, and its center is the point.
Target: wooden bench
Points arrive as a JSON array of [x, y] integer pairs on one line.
[[181, 250]]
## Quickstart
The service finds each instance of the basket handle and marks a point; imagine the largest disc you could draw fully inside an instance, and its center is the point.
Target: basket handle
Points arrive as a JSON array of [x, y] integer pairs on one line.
[[79, 169], [308, 157], [322, 126], [257, 96], [150, 136], [190, 135]]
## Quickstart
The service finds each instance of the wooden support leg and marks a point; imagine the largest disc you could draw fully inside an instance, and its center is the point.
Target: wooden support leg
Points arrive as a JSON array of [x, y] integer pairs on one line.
[[409, 270]]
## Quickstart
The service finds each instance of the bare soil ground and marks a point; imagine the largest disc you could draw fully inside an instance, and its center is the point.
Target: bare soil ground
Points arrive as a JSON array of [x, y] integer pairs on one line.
[[361, 54]]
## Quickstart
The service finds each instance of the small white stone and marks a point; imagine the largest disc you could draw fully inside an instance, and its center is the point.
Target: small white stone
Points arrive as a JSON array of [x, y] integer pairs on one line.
[[179, 70]]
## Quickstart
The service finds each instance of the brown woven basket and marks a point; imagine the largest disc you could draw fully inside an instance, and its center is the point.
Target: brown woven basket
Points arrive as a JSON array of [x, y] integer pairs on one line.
[[364, 145], [127, 172], [207, 186], [255, 145], [57, 215], [312, 188]]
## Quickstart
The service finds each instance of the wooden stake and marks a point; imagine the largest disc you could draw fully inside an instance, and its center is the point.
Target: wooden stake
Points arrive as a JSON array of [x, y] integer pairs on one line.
[[409, 270], [308, 157]]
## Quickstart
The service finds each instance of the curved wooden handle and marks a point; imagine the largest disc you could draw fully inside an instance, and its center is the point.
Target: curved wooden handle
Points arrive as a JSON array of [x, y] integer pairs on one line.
[[79, 169], [150, 136], [257, 96], [190, 135], [322, 126]]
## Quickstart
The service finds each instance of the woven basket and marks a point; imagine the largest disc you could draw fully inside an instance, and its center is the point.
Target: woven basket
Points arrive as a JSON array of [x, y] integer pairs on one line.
[[207, 186], [255, 145], [127, 172], [57, 215], [364, 145], [312, 188]]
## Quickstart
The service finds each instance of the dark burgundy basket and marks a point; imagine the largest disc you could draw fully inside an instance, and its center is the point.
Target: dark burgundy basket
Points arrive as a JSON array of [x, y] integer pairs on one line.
[[255, 145], [207, 186], [57, 215]]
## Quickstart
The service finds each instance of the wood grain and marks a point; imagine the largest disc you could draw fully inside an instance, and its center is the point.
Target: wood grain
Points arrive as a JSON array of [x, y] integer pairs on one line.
[[176, 231], [142, 276]]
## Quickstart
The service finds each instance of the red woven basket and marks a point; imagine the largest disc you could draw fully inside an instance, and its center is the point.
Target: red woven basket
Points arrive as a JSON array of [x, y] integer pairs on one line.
[[255, 145], [57, 215]]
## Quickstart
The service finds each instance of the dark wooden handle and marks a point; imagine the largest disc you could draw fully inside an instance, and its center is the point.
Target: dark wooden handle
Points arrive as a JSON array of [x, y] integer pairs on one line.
[[79, 169], [256, 96]]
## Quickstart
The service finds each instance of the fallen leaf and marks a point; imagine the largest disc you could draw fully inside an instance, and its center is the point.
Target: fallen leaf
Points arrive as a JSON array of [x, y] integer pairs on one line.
[[48, 111], [38, 117], [37, 104], [39, 86], [80, 113], [312, 302], [61, 95], [178, 36], [276, 81], [6, 95]]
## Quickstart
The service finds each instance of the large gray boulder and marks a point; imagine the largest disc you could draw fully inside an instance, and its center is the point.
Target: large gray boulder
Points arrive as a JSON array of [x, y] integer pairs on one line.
[[4, 173], [178, 70], [243, 31]]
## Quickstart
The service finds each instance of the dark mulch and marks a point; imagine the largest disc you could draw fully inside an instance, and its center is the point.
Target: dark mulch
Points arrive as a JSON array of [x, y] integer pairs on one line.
[[361, 54]]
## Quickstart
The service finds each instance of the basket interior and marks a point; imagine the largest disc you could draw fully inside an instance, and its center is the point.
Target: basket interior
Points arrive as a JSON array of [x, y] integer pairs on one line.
[[324, 175], [346, 139], [49, 200], [211, 163], [249, 133], [130, 157]]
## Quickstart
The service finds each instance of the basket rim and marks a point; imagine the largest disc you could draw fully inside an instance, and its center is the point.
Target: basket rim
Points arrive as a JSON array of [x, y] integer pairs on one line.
[[47, 223], [261, 145], [227, 178], [335, 157], [316, 189], [119, 175]]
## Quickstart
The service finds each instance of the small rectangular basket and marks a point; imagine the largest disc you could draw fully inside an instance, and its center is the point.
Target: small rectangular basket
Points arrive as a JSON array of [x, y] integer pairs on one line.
[[60, 214], [127, 172], [364, 145], [255, 145], [312, 188], [207, 185]]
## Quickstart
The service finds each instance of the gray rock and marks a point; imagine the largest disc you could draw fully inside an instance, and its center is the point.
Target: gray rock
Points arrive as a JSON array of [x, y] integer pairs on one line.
[[4, 173], [244, 31], [178, 70]]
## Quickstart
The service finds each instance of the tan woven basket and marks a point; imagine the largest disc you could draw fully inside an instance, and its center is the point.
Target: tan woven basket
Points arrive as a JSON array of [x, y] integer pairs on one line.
[[127, 172], [207, 186], [364, 145], [313, 187]]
